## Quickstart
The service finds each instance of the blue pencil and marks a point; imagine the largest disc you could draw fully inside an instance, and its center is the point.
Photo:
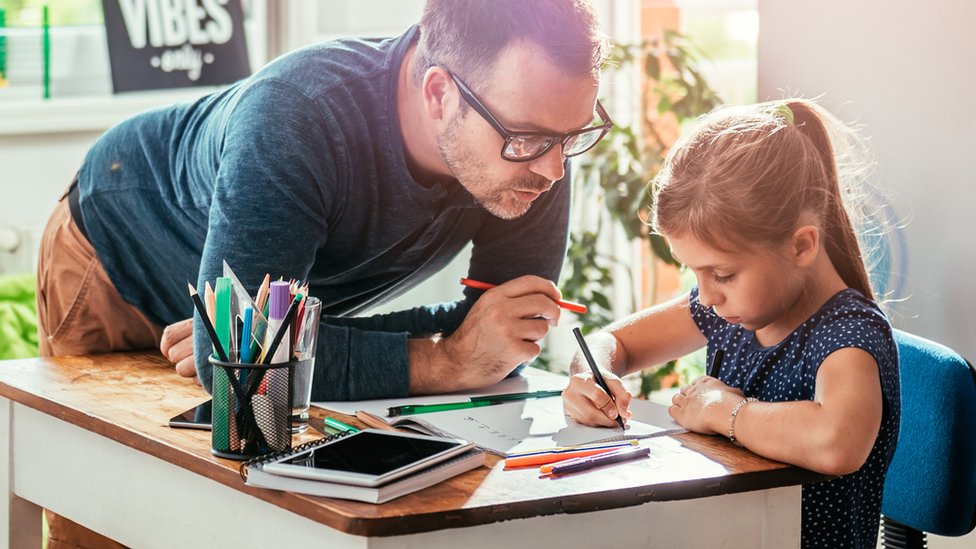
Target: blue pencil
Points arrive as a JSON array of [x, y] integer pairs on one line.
[[246, 336]]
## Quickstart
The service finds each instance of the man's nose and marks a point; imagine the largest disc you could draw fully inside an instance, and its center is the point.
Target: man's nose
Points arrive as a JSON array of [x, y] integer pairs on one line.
[[549, 165]]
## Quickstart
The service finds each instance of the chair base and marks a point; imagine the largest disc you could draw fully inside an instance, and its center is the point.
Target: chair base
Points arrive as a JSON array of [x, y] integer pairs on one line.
[[895, 535]]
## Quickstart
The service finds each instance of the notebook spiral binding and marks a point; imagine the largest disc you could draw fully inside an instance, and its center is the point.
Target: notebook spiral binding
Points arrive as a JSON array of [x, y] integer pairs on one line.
[[261, 460]]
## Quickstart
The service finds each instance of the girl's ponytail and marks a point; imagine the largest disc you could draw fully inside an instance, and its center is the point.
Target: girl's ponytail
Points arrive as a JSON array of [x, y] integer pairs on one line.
[[746, 174], [840, 239]]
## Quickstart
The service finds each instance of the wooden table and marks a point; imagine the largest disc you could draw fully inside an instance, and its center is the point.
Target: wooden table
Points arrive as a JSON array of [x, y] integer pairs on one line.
[[87, 437]]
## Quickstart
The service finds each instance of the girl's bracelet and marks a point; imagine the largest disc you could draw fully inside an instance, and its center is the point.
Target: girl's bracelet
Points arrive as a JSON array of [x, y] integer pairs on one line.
[[735, 411]]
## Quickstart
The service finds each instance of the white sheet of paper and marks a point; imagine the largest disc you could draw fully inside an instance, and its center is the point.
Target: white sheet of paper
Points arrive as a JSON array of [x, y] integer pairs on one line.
[[541, 423], [521, 425]]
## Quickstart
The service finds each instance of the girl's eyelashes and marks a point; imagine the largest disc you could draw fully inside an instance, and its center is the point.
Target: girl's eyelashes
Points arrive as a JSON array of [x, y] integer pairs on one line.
[[719, 279]]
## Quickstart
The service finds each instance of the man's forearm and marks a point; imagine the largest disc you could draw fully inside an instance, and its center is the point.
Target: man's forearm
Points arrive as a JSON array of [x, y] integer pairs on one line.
[[436, 368]]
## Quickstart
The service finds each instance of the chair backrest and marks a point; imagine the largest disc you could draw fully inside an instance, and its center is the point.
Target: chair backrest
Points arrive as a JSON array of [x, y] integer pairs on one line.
[[931, 483]]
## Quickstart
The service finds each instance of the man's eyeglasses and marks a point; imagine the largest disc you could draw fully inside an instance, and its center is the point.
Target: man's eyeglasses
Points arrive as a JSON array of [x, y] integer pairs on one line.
[[526, 146]]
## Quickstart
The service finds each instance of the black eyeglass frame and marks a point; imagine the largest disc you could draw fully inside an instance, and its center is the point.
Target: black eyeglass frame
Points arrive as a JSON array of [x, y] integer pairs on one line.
[[508, 135]]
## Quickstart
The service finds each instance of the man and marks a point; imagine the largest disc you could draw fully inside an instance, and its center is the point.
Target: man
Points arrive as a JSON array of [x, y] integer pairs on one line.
[[363, 167]]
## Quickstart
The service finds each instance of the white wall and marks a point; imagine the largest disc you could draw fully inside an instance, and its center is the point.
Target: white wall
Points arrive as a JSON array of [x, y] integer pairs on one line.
[[42, 144], [904, 70], [34, 171]]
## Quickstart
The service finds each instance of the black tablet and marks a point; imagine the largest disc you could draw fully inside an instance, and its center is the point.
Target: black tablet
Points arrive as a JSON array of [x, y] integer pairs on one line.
[[369, 457]]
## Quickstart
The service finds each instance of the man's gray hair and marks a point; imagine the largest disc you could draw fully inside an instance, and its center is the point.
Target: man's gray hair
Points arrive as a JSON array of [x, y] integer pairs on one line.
[[467, 36]]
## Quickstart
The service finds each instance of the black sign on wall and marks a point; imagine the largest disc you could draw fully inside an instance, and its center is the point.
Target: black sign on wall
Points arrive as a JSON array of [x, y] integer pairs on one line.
[[156, 44]]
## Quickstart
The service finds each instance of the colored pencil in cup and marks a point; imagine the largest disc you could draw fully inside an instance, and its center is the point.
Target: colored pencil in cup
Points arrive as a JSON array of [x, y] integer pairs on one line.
[[205, 318]]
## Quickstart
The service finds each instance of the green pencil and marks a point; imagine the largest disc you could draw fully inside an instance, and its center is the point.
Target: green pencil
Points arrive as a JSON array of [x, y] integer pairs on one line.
[[3, 47], [334, 424], [519, 396], [222, 401], [473, 402], [46, 47], [411, 409]]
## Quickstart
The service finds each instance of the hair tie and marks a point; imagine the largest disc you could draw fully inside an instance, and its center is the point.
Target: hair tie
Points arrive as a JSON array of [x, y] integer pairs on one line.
[[785, 112]]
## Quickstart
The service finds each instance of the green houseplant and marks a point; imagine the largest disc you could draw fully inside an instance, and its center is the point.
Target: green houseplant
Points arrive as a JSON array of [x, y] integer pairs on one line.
[[616, 176]]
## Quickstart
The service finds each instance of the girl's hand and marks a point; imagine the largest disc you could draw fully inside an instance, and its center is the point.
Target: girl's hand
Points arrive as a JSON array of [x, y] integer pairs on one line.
[[587, 403], [705, 405]]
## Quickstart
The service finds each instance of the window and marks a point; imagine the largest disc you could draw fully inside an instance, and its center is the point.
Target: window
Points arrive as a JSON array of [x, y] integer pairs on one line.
[[77, 63], [312, 22], [727, 32], [28, 13]]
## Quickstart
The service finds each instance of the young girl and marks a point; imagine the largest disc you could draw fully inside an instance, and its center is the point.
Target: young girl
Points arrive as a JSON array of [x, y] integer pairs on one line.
[[807, 372]]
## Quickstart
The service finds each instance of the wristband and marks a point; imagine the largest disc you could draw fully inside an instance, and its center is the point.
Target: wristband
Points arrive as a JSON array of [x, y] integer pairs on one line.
[[735, 411]]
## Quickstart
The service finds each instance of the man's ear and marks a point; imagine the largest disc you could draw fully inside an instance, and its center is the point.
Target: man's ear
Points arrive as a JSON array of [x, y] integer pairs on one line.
[[435, 89], [805, 245]]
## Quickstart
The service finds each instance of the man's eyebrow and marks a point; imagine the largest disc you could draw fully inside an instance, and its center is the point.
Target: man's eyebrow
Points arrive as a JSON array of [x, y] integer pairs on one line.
[[531, 127]]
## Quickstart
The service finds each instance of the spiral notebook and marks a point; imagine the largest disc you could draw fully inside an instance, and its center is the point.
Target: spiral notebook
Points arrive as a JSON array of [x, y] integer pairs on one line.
[[254, 474]]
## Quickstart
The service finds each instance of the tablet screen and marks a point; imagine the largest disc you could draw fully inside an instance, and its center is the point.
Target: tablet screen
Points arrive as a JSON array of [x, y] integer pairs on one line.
[[372, 453]]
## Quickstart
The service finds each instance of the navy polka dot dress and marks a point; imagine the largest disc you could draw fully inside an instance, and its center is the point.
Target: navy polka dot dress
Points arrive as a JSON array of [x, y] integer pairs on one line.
[[843, 512]]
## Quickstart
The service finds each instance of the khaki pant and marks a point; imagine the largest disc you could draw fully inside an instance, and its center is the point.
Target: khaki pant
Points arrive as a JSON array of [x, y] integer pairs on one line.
[[80, 312]]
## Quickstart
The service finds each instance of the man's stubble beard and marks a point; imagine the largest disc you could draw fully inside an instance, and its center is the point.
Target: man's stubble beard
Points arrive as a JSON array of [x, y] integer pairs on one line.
[[497, 199]]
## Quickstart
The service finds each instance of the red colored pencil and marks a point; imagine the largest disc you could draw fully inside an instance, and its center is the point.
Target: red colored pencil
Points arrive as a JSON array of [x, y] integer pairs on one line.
[[568, 305]]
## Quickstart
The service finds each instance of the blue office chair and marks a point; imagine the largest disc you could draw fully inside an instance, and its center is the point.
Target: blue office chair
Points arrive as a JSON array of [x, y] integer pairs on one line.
[[931, 483]]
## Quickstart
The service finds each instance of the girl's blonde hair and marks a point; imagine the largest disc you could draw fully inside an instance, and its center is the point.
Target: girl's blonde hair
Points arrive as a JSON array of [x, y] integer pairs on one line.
[[745, 175]]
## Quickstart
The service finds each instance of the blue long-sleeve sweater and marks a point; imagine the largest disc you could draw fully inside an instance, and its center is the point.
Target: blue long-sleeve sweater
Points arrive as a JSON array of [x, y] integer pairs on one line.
[[299, 171]]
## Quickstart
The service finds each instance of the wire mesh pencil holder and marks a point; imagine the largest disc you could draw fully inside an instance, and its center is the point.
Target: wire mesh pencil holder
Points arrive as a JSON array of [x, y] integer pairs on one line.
[[251, 408]]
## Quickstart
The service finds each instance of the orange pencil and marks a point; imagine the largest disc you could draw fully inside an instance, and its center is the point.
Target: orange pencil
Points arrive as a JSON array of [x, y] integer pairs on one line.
[[543, 459], [568, 305], [575, 448], [210, 300], [262, 296]]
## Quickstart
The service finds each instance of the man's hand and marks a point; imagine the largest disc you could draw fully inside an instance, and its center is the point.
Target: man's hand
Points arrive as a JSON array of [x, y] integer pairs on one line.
[[501, 331], [177, 346]]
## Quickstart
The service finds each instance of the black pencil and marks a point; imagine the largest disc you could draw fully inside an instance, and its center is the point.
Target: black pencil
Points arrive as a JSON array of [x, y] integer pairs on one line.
[[716, 366], [206, 322], [597, 376]]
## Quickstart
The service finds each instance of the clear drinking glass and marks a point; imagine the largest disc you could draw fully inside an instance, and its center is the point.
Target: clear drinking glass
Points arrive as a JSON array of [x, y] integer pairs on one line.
[[303, 363]]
